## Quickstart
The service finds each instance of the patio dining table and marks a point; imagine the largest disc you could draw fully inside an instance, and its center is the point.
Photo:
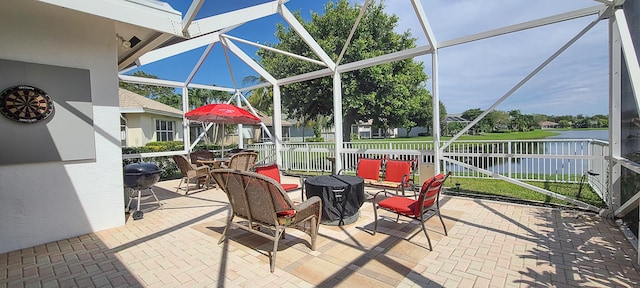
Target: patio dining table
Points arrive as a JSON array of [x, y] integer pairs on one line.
[[215, 163]]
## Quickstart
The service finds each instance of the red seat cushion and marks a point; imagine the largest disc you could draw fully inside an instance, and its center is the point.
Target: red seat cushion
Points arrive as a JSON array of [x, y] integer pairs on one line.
[[273, 172], [395, 170], [289, 187], [369, 168], [269, 171], [400, 205], [409, 206]]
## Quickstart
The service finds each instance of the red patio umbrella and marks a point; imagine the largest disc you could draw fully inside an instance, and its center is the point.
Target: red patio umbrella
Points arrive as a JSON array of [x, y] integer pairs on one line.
[[222, 113]]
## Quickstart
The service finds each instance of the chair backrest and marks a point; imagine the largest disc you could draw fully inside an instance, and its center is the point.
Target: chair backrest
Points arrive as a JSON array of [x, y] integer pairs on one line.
[[270, 170], [395, 170], [243, 160], [183, 164], [369, 168], [253, 196], [201, 155], [430, 193]]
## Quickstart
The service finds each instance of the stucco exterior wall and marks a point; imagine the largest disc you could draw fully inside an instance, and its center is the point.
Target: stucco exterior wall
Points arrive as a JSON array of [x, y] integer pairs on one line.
[[141, 128], [49, 201]]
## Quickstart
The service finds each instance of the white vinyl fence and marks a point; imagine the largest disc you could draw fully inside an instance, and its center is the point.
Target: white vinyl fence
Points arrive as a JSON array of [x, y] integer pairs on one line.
[[555, 160]]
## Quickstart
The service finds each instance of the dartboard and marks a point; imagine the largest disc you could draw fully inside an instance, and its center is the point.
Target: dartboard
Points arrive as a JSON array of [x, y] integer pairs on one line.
[[25, 104]]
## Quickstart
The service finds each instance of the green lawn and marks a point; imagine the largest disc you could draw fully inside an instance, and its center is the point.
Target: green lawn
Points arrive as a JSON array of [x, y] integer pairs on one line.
[[496, 187]]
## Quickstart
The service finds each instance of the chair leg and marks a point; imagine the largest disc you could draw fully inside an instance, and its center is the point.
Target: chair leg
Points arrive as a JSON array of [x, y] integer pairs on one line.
[[179, 185], [375, 219], [443, 226], [275, 249], [314, 232], [187, 183], [424, 229], [226, 228]]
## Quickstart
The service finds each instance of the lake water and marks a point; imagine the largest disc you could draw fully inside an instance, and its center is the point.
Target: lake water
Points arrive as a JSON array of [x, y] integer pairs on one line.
[[551, 166], [582, 134]]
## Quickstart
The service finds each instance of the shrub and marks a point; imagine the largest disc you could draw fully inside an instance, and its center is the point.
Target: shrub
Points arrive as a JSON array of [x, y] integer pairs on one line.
[[315, 139]]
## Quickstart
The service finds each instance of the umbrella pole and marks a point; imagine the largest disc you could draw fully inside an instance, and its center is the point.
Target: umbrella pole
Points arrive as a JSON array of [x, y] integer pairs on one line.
[[222, 145]]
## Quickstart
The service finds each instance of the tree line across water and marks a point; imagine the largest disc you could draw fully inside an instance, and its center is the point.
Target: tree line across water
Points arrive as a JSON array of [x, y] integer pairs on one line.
[[514, 120]]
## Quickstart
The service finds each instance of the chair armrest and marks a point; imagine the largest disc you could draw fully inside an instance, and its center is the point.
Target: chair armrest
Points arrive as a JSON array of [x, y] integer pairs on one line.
[[311, 206]]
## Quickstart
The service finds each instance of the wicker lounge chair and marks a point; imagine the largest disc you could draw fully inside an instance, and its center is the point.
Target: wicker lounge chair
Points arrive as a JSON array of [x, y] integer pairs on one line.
[[191, 172], [201, 155], [243, 161], [260, 201]]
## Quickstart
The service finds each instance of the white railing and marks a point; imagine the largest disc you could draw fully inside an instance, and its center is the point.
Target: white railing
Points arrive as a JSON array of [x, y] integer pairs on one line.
[[556, 160]]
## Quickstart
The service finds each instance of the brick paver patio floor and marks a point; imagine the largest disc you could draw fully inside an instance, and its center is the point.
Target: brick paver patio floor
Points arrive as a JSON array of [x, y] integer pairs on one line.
[[489, 244]]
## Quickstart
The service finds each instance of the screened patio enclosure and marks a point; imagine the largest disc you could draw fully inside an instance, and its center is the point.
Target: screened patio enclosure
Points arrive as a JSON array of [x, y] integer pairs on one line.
[[206, 34]]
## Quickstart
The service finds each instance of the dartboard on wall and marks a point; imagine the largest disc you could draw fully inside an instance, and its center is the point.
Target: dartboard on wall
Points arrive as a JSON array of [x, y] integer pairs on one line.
[[26, 104]]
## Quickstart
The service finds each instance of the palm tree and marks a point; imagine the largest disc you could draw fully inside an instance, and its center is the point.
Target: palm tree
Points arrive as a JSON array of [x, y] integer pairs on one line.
[[261, 98]]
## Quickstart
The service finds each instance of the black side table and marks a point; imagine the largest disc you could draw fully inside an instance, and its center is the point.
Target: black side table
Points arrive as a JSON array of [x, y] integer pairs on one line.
[[342, 196]]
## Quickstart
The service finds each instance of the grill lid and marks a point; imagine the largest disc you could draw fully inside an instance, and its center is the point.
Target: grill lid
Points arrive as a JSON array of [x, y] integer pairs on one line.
[[141, 169]]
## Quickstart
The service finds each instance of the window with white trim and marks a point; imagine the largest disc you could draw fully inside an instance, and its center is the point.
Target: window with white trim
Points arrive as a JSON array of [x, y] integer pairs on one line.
[[164, 130]]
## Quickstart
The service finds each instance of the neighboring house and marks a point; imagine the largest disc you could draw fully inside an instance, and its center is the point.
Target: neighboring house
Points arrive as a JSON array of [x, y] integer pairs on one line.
[[366, 130], [549, 125], [456, 118], [144, 120], [259, 135]]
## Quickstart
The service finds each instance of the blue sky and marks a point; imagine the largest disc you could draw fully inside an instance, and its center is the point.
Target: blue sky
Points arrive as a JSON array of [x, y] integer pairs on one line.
[[472, 75]]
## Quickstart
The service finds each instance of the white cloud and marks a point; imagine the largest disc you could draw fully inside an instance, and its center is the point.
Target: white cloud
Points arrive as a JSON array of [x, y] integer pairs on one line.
[[475, 75]]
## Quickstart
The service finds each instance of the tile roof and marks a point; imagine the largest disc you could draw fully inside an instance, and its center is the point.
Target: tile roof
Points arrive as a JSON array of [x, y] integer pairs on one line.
[[130, 101]]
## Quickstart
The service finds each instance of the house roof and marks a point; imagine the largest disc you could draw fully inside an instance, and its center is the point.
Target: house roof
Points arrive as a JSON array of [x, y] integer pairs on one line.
[[548, 123], [135, 103], [455, 118], [268, 120]]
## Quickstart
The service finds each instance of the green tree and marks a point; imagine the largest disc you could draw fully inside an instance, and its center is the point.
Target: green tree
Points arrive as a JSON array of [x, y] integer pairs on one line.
[[381, 93], [486, 124], [261, 98]]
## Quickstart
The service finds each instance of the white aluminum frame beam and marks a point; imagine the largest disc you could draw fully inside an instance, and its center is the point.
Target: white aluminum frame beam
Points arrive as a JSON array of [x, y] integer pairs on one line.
[[233, 18], [169, 83], [629, 54], [523, 81], [178, 48], [424, 22], [196, 67], [191, 14], [274, 50], [363, 9], [306, 37], [615, 112], [598, 9]]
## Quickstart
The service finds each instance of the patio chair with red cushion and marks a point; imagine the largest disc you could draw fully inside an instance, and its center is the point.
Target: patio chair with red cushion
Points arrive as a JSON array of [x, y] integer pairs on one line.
[[428, 200], [273, 171], [398, 175], [369, 169], [262, 207]]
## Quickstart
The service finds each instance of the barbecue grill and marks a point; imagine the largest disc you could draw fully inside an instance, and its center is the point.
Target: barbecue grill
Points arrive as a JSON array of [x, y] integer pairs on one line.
[[138, 177]]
